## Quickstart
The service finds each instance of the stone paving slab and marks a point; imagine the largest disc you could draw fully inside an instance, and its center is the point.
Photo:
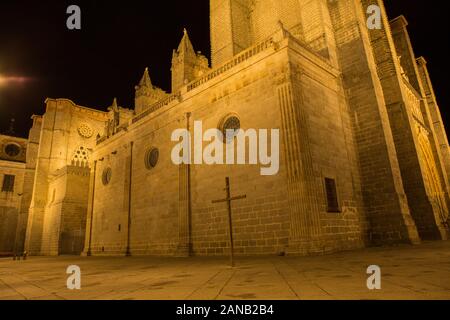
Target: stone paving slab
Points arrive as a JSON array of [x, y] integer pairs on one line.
[[408, 272]]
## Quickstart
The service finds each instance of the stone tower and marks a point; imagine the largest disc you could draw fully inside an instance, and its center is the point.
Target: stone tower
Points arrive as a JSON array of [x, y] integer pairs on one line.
[[57, 213], [146, 93], [186, 64], [238, 24]]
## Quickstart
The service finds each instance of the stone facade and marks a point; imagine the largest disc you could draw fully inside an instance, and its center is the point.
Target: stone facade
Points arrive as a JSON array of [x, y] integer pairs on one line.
[[17, 170], [58, 207], [364, 157]]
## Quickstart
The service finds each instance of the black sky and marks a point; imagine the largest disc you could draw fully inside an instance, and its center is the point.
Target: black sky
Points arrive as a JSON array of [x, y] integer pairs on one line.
[[119, 39]]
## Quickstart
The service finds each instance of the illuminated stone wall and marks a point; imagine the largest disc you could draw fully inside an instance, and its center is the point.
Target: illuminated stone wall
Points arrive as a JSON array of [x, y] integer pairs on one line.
[[17, 158], [349, 111], [67, 138]]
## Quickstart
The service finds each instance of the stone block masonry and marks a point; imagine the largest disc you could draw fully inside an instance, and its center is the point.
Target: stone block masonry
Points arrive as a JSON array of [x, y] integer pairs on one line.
[[363, 151]]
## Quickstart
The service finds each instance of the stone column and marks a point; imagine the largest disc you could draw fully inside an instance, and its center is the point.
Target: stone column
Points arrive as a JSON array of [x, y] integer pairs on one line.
[[305, 216], [184, 208], [130, 196], [90, 218]]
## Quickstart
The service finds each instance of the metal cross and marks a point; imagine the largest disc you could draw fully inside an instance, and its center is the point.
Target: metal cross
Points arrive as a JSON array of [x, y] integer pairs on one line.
[[228, 200]]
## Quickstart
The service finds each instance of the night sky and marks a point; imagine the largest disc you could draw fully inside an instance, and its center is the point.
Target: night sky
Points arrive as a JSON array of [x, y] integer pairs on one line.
[[118, 39]]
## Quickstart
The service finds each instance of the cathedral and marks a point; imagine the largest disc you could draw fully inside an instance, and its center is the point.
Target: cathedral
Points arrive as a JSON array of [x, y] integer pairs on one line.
[[364, 156]]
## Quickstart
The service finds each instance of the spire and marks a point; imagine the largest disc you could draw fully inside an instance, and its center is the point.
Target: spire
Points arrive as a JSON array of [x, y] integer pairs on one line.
[[186, 64], [186, 46], [115, 121], [146, 81], [114, 107]]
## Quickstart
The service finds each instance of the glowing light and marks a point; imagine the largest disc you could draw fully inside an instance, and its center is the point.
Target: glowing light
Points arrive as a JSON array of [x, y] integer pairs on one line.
[[6, 80]]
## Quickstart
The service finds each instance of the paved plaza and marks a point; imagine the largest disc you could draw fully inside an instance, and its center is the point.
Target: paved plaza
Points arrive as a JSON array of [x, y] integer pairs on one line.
[[408, 272]]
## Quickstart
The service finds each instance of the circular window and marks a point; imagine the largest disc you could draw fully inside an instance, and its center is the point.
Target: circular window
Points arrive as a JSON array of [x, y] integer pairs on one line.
[[85, 131], [151, 158], [230, 128], [12, 150], [106, 176]]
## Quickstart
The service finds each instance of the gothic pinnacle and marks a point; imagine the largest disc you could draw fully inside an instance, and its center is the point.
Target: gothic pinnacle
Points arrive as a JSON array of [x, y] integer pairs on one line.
[[186, 46], [115, 106], [146, 81]]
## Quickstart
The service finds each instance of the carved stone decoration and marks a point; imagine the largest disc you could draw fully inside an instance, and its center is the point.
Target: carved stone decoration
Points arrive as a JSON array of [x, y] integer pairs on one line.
[[81, 157], [85, 131]]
